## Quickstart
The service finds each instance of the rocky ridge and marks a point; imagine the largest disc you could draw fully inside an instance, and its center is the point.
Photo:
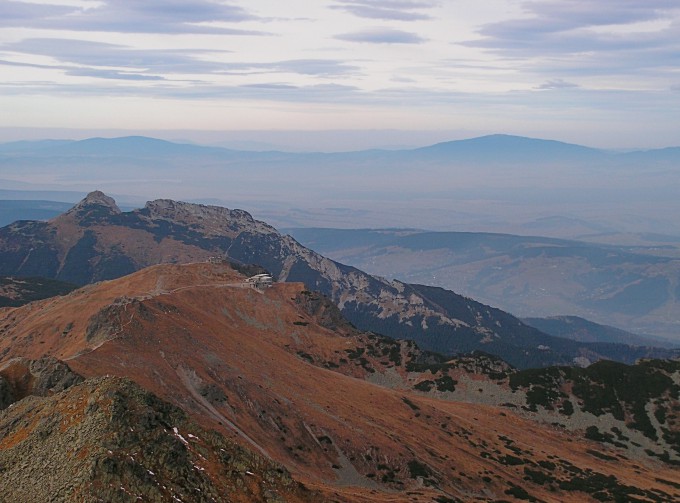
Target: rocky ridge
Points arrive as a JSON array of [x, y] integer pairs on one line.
[[95, 241]]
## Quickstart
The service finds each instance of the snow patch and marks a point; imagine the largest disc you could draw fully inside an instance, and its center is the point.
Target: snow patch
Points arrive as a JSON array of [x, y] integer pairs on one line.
[[177, 434]]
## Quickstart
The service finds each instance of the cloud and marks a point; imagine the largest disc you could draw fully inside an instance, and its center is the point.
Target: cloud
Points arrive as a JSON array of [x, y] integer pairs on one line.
[[566, 26], [320, 67], [557, 84], [13, 13], [381, 36], [113, 61], [130, 16], [201, 91], [101, 54], [581, 37], [271, 86], [392, 10], [310, 67], [85, 72], [569, 14], [318, 93], [111, 74]]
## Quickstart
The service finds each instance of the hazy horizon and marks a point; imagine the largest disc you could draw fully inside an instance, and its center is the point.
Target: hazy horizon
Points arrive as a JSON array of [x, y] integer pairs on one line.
[[330, 141], [598, 74], [494, 183], [346, 140]]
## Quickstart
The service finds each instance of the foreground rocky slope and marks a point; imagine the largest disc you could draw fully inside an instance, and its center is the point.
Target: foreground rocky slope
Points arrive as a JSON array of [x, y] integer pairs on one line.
[[351, 415], [95, 241], [106, 439]]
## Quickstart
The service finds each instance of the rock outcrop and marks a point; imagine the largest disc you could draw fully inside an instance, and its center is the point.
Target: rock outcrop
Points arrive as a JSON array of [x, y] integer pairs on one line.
[[21, 377]]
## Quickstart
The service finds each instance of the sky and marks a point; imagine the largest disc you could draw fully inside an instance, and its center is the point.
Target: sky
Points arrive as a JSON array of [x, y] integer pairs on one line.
[[602, 73]]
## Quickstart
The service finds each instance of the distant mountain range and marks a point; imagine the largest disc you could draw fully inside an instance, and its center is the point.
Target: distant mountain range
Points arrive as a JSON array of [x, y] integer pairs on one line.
[[627, 286], [579, 329], [496, 183], [507, 148], [96, 241], [497, 146]]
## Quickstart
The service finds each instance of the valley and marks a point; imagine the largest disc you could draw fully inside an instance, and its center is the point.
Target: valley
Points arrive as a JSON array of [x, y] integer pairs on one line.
[[635, 287]]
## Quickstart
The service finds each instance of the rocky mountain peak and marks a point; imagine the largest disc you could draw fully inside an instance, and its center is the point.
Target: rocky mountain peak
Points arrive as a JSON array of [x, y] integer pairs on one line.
[[274, 370], [96, 208], [99, 199]]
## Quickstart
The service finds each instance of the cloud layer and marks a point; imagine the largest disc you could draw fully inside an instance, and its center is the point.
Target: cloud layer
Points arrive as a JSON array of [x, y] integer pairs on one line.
[[584, 37], [127, 16], [439, 64]]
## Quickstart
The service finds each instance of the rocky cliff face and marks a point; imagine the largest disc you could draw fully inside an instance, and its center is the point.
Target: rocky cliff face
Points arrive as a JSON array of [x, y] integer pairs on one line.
[[95, 241]]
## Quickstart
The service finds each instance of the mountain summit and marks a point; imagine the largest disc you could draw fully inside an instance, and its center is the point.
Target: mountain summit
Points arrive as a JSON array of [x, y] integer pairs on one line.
[[509, 148], [95, 201]]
